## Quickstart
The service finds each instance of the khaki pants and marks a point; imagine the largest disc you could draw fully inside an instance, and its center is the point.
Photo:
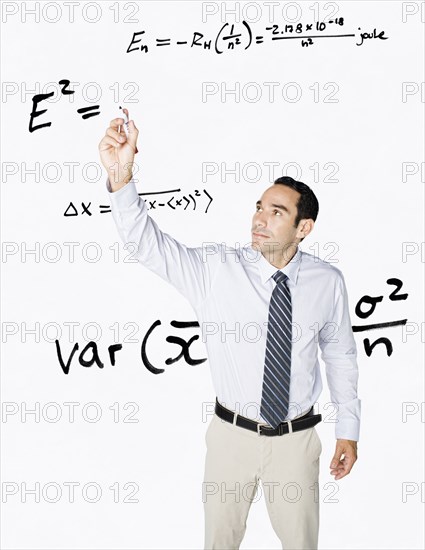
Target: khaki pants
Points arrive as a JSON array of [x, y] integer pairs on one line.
[[288, 467]]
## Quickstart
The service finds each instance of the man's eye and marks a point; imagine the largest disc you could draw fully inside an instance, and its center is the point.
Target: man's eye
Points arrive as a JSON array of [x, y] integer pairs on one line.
[[274, 211]]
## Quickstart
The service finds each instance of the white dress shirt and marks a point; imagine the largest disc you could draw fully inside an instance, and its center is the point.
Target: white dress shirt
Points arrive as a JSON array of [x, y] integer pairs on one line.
[[230, 290]]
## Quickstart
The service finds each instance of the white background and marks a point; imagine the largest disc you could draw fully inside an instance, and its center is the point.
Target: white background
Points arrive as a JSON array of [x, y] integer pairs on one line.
[[365, 216]]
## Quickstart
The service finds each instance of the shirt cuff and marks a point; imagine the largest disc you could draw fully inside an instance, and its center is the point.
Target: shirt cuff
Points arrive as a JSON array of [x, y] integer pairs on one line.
[[348, 420], [125, 196]]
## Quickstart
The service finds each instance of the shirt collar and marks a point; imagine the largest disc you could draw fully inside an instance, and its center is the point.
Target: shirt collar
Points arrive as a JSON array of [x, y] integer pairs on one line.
[[266, 269]]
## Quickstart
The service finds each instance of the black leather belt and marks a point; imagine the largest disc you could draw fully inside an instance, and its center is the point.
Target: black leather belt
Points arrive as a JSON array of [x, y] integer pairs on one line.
[[308, 420]]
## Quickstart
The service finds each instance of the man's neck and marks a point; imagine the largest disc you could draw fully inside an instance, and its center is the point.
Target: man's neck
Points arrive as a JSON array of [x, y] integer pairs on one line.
[[280, 258]]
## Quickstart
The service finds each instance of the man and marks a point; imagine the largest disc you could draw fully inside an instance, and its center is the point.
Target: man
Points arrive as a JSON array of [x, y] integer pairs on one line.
[[268, 380]]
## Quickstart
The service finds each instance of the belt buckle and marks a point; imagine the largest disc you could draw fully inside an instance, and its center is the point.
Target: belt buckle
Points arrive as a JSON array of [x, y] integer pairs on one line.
[[259, 426]]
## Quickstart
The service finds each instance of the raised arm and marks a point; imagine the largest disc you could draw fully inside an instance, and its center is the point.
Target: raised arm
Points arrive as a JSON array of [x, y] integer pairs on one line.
[[189, 270]]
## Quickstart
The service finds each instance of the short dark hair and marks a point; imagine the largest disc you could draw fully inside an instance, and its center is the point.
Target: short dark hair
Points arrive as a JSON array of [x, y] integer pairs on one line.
[[307, 205]]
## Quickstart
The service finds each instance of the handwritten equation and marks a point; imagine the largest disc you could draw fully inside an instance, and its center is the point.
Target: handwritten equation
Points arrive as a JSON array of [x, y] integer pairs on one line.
[[174, 203], [91, 349], [85, 112], [300, 31], [372, 302], [184, 355], [229, 39]]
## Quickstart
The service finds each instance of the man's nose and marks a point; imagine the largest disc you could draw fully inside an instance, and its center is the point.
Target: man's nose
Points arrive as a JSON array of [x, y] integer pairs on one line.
[[260, 219]]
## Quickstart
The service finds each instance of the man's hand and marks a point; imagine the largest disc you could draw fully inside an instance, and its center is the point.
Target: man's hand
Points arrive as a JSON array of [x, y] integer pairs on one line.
[[117, 152], [342, 467]]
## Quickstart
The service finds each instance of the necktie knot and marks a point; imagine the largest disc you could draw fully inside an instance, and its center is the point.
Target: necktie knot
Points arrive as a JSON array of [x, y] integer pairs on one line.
[[280, 277]]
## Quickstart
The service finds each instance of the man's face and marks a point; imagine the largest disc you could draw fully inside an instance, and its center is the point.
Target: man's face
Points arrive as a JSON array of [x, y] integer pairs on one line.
[[273, 222]]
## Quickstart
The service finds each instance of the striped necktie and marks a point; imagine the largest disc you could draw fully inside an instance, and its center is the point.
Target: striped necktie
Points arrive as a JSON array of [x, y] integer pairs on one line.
[[277, 367]]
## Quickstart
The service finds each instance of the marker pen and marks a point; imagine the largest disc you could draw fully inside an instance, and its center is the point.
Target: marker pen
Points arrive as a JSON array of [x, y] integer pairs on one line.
[[125, 117], [125, 125]]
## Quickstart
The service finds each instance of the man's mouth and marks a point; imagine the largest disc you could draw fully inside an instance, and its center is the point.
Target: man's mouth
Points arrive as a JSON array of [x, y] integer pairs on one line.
[[260, 235]]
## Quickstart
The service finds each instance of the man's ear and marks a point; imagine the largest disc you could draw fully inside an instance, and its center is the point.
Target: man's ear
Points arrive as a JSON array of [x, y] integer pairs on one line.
[[305, 228]]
